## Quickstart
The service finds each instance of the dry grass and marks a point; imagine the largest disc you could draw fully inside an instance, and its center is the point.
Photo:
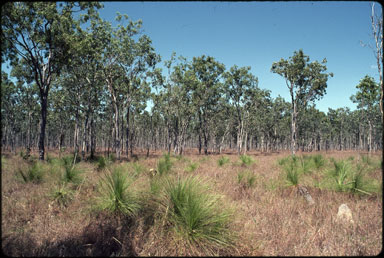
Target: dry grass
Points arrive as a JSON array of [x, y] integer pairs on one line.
[[270, 218]]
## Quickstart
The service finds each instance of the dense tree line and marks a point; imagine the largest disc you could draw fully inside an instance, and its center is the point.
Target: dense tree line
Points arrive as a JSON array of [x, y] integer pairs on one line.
[[82, 84]]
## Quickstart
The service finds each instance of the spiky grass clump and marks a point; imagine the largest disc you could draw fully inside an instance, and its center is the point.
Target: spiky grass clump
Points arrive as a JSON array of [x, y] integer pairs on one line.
[[34, 173], [101, 163], [164, 165], [340, 173], [138, 169], [71, 171], [116, 195], [246, 160], [292, 176], [291, 166], [318, 161], [62, 195], [195, 215], [246, 179], [306, 164], [222, 161], [192, 166]]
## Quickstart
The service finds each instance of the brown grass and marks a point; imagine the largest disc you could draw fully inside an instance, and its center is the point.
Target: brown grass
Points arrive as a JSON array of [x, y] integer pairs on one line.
[[271, 219]]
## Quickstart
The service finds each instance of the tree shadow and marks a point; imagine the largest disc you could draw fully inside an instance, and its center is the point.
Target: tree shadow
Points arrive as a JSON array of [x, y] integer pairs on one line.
[[101, 237]]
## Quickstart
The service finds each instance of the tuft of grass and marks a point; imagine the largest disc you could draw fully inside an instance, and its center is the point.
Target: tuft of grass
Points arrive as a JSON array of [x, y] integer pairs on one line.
[[292, 166], [292, 176], [246, 160], [164, 165], [246, 179], [138, 169], [71, 171], [112, 158], [192, 166], [62, 195], [340, 173], [318, 161], [34, 173], [116, 195], [222, 161], [101, 163], [195, 215]]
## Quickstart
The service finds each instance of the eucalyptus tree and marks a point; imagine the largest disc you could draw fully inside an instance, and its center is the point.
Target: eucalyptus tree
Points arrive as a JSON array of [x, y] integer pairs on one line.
[[9, 104], [377, 33], [183, 82], [239, 84], [306, 82], [206, 93], [40, 33], [222, 123], [173, 99], [367, 98], [259, 107], [125, 63], [279, 117]]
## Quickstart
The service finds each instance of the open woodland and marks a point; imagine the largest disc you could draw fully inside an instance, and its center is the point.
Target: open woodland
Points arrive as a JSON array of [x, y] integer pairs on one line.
[[108, 150]]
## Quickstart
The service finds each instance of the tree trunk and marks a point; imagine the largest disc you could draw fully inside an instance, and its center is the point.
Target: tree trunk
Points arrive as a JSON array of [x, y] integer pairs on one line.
[[293, 127], [43, 123]]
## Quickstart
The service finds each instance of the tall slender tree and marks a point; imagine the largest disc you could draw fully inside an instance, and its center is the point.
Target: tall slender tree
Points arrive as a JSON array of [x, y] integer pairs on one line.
[[306, 81], [39, 33]]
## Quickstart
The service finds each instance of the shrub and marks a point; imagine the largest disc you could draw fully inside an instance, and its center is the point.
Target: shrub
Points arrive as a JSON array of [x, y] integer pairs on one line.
[[195, 215], [116, 195], [222, 161]]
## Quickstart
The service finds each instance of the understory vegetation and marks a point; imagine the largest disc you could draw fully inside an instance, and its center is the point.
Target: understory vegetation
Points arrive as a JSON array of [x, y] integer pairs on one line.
[[187, 205]]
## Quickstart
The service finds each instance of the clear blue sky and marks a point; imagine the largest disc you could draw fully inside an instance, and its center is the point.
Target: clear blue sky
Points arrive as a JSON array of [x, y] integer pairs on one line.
[[257, 34]]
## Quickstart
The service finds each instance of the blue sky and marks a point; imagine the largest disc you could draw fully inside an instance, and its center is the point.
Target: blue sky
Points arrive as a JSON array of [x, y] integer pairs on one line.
[[257, 34]]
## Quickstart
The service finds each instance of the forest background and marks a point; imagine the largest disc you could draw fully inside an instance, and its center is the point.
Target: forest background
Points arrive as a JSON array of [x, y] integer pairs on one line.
[[74, 80]]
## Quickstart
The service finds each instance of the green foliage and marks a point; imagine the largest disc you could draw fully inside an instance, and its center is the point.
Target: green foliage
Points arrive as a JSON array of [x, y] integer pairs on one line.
[[222, 161], [306, 164], [246, 178], [341, 171], [62, 195], [101, 163], [112, 158], [194, 214], [246, 160], [291, 165], [192, 166], [34, 173], [116, 194], [137, 168], [318, 161], [164, 165], [292, 176], [71, 171]]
